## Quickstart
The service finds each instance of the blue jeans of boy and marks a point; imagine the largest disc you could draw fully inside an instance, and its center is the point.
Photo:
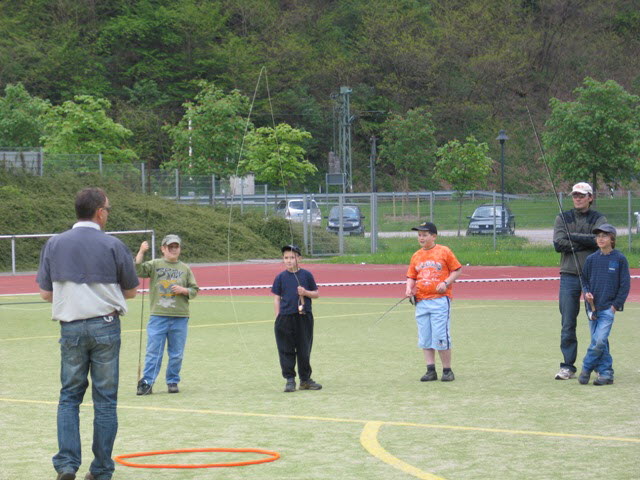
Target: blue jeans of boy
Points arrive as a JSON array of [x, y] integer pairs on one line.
[[173, 332], [598, 357], [90, 346], [570, 291]]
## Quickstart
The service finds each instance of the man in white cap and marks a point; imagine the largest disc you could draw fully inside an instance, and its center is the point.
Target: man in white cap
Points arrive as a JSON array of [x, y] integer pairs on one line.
[[573, 238]]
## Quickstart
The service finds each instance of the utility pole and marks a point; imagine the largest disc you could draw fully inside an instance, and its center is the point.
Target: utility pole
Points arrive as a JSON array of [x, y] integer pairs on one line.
[[345, 119]]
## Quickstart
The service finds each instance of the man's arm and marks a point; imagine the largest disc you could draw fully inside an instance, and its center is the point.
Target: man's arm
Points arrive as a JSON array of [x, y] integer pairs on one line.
[[128, 294], [46, 295], [561, 240]]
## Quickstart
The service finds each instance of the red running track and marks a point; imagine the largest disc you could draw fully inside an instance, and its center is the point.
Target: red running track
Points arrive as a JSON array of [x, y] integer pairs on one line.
[[248, 274]]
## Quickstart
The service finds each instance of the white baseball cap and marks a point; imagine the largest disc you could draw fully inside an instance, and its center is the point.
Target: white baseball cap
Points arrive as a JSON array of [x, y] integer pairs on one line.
[[583, 188]]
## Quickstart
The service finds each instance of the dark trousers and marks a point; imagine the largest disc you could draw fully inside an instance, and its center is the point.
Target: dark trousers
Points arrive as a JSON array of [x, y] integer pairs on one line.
[[294, 338]]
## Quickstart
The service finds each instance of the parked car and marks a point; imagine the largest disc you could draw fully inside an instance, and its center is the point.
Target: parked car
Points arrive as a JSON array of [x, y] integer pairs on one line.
[[293, 209], [352, 220], [486, 216]]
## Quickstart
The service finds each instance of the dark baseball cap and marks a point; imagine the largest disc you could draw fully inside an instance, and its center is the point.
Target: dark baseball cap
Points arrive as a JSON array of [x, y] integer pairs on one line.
[[291, 248], [606, 228], [427, 227]]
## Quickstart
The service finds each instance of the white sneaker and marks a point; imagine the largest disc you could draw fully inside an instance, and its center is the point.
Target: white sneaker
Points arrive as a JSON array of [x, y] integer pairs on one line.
[[565, 374]]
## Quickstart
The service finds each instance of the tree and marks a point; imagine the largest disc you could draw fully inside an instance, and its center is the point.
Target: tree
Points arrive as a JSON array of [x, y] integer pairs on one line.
[[276, 155], [208, 138], [21, 117], [464, 166], [82, 126], [597, 136], [408, 149]]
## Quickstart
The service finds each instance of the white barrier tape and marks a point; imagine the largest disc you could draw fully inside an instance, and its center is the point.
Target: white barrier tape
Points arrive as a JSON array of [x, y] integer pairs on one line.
[[397, 282]]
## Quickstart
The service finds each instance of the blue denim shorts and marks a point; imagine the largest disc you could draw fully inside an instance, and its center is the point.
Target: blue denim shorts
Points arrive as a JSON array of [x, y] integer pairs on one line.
[[433, 319]]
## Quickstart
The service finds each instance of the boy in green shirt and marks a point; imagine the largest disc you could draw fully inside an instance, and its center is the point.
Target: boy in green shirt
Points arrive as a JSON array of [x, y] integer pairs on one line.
[[171, 287]]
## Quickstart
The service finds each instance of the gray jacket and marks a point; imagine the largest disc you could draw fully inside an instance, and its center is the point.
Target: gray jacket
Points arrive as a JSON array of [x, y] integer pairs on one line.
[[580, 236]]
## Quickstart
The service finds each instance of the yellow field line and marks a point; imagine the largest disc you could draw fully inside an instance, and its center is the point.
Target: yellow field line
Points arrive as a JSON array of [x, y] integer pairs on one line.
[[342, 420], [369, 440]]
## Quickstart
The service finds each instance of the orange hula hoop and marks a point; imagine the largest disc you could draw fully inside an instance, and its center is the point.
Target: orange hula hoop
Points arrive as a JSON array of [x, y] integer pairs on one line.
[[271, 457]]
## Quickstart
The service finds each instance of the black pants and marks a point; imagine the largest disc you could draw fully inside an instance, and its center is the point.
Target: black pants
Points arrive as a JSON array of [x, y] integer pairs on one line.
[[294, 338]]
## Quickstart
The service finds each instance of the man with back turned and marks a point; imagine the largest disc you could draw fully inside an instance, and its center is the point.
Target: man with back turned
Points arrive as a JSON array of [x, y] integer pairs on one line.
[[87, 275]]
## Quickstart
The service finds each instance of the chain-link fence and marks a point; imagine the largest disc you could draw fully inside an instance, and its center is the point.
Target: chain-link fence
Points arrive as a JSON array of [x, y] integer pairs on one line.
[[350, 222]]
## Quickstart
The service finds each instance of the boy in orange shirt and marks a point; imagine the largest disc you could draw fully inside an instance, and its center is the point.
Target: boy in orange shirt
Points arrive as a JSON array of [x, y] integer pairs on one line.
[[431, 273]]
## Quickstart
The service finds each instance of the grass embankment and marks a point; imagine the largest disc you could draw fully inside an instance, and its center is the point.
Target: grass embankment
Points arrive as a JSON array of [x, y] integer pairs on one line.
[[46, 205]]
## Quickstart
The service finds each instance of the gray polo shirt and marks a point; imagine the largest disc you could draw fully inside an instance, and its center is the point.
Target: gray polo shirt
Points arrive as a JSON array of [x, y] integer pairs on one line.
[[86, 270]]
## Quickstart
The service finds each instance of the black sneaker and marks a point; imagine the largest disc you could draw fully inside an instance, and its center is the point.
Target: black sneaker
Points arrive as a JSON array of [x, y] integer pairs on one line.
[[600, 380], [173, 388], [290, 385], [584, 377], [430, 376], [144, 388], [448, 376], [310, 385]]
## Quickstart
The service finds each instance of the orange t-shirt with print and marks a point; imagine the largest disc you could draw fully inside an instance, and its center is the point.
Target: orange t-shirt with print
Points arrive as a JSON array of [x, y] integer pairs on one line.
[[430, 267]]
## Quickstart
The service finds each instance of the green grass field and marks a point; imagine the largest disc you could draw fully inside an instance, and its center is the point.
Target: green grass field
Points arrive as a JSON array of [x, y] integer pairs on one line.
[[504, 417]]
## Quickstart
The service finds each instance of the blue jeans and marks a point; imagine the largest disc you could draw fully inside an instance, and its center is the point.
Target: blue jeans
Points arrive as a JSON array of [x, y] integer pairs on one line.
[[88, 346], [570, 291], [173, 331], [598, 357]]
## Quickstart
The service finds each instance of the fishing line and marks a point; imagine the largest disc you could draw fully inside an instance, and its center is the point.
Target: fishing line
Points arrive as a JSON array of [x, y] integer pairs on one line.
[[555, 194], [240, 154]]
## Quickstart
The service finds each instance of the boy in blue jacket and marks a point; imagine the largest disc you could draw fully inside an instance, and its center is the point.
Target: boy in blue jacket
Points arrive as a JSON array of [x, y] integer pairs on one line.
[[607, 282]]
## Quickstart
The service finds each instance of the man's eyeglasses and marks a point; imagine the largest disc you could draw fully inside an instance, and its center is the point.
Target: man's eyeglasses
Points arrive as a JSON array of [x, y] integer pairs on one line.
[[578, 195], [108, 209]]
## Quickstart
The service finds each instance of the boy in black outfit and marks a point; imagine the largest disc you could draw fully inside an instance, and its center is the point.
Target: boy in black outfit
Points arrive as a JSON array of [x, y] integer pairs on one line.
[[293, 290]]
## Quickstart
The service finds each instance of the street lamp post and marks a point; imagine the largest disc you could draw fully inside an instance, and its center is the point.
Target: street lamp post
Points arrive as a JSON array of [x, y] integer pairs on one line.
[[502, 137]]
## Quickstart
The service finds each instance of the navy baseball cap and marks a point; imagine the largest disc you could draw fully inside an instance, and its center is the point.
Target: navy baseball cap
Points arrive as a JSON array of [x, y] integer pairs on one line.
[[606, 228], [427, 227], [291, 248]]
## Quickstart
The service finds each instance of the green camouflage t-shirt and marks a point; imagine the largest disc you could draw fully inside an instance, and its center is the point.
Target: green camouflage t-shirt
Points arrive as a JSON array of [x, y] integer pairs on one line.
[[163, 276]]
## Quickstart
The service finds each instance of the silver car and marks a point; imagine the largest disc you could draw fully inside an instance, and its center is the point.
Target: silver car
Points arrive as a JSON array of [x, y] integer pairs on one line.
[[293, 209], [486, 216]]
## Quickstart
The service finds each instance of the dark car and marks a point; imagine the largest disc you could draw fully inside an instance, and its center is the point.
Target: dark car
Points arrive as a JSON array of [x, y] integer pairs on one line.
[[352, 220], [486, 216]]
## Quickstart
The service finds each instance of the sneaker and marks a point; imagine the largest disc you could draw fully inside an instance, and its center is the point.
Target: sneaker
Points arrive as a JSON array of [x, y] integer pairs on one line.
[[448, 376], [584, 377], [89, 476], [565, 374], [430, 376], [290, 385], [66, 476], [173, 388], [600, 380], [144, 388], [310, 385]]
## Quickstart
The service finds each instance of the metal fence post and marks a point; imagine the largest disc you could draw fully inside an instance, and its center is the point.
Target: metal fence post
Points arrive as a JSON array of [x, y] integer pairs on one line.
[[100, 163], [341, 224], [13, 255], [213, 190], [494, 221], [266, 191], [629, 216], [431, 206], [142, 177], [177, 184], [374, 222]]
